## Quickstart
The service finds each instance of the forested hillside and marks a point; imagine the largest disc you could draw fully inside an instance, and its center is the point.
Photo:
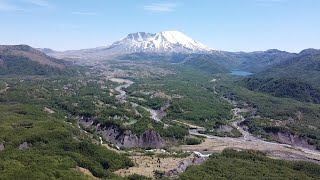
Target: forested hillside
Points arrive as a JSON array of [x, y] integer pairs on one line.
[[250, 165], [40, 143], [284, 87], [305, 67]]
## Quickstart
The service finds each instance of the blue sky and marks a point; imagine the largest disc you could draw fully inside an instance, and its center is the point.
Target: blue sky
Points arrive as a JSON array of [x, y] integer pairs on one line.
[[232, 25]]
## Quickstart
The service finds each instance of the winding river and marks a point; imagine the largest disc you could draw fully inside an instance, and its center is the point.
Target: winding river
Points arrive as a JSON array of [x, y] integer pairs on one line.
[[215, 143], [156, 115], [248, 141]]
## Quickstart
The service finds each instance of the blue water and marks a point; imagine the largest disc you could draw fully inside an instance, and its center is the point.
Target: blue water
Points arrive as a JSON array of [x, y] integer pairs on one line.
[[241, 73]]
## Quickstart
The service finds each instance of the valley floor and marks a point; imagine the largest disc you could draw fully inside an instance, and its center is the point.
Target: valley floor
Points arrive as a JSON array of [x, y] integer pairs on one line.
[[147, 165], [111, 100]]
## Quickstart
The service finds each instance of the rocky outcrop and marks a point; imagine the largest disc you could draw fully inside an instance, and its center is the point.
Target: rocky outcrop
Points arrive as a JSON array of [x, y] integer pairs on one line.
[[126, 138], [151, 139], [183, 165], [224, 129], [24, 145], [295, 140], [289, 138], [2, 147], [119, 137]]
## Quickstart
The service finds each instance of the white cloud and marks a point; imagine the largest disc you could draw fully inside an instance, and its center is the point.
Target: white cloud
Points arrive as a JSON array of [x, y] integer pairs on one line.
[[40, 3], [85, 13], [4, 6], [160, 7]]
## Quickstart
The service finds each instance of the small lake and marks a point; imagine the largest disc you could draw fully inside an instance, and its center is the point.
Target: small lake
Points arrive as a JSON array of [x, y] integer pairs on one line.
[[241, 73]]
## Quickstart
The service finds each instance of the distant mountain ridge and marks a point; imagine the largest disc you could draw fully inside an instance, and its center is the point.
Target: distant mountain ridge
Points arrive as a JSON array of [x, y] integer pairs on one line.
[[304, 66], [25, 60], [175, 47], [253, 61], [30, 53]]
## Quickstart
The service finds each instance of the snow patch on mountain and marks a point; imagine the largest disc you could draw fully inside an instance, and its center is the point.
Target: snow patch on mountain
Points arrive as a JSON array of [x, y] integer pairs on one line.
[[167, 41], [141, 42]]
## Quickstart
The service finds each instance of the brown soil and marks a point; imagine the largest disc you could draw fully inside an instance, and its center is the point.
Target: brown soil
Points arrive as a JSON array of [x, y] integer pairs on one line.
[[146, 165], [87, 173], [274, 150]]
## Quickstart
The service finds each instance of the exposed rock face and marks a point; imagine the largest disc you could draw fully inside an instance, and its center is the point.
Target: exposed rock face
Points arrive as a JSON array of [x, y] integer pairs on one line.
[[125, 138], [119, 137], [183, 165], [24, 145], [293, 140], [224, 128], [86, 122], [149, 139], [2, 147], [288, 138]]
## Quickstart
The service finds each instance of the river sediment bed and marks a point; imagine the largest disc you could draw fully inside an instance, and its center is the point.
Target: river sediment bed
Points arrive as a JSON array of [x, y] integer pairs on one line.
[[215, 144], [247, 141]]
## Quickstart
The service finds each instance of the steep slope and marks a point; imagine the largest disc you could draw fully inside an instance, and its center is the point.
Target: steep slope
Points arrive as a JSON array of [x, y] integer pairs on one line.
[[25, 60], [305, 66], [284, 87], [31, 54]]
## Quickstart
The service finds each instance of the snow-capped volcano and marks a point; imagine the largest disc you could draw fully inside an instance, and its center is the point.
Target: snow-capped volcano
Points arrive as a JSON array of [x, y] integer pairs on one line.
[[160, 43], [167, 41]]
